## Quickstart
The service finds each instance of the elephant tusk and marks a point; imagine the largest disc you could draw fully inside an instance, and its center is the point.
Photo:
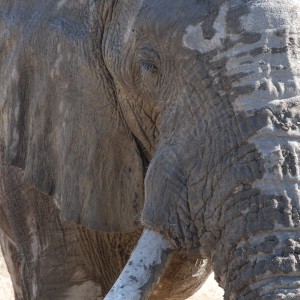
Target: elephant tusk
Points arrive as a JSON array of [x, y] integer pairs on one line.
[[146, 265]]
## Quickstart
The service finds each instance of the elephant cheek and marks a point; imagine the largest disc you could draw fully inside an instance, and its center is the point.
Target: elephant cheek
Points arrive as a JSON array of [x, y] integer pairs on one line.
[[166, 208]]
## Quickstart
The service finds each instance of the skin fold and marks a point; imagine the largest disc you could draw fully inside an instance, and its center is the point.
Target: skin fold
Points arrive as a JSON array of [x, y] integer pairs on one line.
[[181, 118]]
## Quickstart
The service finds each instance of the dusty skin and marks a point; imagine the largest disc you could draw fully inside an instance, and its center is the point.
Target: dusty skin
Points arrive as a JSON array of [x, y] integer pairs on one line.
[[210, 291], [161, 138]]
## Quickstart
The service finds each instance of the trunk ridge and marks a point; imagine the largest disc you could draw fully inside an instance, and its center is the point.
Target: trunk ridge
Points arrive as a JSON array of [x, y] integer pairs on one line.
[[289, 288]]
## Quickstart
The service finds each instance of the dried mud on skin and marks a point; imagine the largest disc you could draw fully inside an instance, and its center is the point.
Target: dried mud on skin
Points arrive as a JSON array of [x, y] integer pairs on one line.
[[209, 291], [6, 289]]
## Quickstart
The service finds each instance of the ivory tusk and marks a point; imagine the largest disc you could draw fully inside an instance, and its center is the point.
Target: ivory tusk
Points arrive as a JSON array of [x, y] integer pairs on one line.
[[146, 265]]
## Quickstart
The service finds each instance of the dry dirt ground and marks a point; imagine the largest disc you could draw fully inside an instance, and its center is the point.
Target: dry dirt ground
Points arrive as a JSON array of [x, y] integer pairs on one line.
[[210, 291], [6, 290]]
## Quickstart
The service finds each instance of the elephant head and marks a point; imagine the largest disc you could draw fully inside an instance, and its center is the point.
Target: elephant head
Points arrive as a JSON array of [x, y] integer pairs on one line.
[[200, 99], [211, 91]]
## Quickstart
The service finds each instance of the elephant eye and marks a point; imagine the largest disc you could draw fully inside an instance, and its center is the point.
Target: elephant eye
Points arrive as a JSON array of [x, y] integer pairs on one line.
[[148, 66], [148, 75]]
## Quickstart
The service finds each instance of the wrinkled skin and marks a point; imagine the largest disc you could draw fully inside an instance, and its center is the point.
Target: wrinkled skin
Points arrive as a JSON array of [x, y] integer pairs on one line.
[[200, 99]]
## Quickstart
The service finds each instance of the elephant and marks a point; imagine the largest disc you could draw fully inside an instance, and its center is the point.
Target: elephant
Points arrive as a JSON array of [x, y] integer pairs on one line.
[[160, 135]]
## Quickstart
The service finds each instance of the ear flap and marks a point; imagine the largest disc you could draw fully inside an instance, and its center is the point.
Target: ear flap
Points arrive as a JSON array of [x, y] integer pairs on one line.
[[63, 125]]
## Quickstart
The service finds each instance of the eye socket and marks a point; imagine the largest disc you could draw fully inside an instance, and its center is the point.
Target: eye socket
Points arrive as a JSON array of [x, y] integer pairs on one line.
[[148, 68]]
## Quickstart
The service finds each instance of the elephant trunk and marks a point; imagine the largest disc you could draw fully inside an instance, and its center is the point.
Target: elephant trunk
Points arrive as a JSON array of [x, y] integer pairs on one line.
[[258, 251], [144, 268], [258, 255]]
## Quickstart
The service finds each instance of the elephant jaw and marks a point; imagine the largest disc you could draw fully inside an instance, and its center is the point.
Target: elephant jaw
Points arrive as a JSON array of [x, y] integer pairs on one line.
[[144, 268]]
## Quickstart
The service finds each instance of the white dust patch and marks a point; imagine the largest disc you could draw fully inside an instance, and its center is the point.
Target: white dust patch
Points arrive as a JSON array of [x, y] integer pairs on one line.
[[195, 40], [279, 74], [60, 4]]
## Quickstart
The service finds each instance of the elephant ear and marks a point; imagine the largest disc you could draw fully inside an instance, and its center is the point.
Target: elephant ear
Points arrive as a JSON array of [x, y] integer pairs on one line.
[[61, 118]]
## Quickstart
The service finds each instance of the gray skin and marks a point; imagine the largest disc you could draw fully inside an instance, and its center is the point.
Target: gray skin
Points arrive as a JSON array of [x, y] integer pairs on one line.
[[71, 170], [200, 99]]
